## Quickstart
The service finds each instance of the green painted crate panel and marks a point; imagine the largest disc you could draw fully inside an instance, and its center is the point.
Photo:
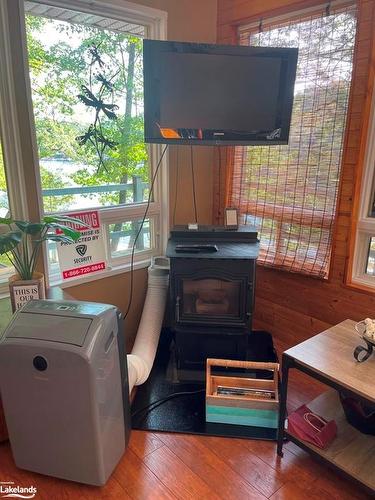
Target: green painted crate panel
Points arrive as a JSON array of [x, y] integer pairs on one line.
[[242, 416]]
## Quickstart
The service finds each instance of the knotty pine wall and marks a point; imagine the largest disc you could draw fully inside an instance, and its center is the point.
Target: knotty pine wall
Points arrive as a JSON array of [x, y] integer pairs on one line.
[[292, 306]]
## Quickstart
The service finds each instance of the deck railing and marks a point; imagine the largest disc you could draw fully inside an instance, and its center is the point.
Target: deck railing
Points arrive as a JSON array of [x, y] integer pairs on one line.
[[137, 187]]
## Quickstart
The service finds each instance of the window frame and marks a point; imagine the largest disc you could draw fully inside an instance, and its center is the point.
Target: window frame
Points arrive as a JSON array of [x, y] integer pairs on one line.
[[155, 24], [9, 137], [364, 224]]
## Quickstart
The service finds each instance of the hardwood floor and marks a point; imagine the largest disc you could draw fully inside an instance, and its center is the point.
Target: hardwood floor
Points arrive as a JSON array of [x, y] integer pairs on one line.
[[170, 466]]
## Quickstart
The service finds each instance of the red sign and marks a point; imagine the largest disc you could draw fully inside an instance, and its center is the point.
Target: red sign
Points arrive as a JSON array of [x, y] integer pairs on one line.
[[79, 271], [91, 218], [87, 255]]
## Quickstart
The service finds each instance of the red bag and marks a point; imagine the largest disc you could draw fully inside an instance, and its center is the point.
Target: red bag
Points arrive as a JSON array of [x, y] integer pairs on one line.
[[308, 426]]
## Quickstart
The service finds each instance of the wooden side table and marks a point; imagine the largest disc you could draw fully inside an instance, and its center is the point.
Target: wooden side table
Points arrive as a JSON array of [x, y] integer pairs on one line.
[[328, 357]]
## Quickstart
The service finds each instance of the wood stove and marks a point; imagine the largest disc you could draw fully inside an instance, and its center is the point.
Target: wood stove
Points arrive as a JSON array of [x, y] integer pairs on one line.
[[212, 282]]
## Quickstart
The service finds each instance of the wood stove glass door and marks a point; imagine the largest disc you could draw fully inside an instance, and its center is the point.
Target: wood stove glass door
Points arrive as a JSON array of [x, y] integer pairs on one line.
[[210, 300]]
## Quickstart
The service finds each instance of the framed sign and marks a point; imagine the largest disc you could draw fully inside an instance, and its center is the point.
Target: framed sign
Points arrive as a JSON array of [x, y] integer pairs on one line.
[[231, 218], [87, 255]]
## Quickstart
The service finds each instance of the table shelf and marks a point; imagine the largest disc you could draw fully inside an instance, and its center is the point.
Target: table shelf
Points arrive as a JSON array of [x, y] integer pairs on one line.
[[328, 357], [352, 451]]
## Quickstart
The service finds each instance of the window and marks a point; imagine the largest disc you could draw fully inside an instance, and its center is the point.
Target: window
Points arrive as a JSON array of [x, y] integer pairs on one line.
[[86, 78], [290, 192], [363, 267], [4, 202], [5, 265], [12, 201]]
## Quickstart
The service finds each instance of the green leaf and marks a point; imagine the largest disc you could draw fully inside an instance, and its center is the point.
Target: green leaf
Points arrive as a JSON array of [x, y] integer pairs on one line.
[[57, 219], [9, 241], [68, 231], [29, 227], [6, 221], [58, 237]]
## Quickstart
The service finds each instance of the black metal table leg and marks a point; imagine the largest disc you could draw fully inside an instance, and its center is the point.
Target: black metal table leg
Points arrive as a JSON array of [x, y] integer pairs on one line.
[[283, 398]]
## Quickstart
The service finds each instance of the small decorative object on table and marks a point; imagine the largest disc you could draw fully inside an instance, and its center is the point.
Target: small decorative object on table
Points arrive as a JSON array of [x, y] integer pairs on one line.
[[20, 242], [242, 400], [366, 330]]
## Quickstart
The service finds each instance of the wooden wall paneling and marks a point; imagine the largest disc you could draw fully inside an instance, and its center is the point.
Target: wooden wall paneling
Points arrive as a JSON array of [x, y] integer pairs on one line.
[[326, 302], [366, 10], [223, 168], [219, 188], [291, 305], [362, 152], [361, 84], [355, 121], [243, 11], [227, 34], [291, 326]]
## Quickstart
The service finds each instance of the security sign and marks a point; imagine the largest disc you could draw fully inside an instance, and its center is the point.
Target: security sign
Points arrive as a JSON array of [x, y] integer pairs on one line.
[[87, 255]]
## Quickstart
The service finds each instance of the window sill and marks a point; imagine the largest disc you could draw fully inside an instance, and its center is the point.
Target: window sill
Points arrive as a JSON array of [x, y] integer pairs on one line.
[[361, 286], [110, 271], [107, 273]]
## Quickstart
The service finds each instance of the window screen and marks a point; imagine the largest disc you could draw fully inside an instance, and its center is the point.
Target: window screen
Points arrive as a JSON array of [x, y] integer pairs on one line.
[[290, 192]]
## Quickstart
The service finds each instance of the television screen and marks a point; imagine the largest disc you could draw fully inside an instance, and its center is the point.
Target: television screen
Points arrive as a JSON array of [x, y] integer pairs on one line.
[[204, 94]]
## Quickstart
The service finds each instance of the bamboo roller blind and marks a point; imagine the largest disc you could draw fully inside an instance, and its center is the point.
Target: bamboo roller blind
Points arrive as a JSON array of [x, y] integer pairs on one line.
[[290, 192]]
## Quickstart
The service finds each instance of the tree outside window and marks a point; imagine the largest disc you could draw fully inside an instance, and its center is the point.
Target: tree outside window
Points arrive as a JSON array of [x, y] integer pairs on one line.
[[87, 92]]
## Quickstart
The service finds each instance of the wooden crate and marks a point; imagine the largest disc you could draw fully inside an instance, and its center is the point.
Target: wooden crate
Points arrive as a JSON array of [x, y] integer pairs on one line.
[[242, 410]]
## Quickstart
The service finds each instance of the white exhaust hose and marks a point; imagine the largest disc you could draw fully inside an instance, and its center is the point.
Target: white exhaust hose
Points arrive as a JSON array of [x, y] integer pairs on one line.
[[142, 357]]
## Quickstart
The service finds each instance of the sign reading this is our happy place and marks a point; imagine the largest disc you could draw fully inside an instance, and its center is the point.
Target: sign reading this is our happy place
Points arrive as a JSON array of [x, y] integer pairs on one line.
[[24, 293], [87, 255]]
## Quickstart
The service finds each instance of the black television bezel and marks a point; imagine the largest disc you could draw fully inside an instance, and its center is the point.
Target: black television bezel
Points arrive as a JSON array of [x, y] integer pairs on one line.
[[288, 56]]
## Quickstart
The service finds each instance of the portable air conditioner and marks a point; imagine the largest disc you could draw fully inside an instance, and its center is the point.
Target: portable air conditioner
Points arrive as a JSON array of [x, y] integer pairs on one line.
[[64, 386]]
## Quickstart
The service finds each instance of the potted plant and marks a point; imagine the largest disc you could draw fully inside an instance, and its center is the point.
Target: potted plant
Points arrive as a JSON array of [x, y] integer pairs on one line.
[[21, 242]]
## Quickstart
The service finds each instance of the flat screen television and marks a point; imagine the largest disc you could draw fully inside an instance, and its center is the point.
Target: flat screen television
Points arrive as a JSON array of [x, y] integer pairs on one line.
[[198, 93]]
